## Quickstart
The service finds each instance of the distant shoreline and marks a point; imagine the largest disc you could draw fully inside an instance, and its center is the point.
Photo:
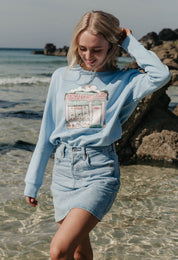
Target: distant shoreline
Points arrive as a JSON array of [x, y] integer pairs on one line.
[[18, 49]]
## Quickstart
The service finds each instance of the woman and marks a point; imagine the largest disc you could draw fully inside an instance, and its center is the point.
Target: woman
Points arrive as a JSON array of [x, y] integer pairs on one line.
[[87, 103]]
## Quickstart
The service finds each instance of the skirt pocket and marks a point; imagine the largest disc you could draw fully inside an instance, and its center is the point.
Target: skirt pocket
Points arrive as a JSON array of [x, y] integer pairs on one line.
[[60, 153], [102, 158]]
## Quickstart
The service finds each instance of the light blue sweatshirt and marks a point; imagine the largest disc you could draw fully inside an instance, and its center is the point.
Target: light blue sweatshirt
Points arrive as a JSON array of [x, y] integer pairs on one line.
[[87, 109]]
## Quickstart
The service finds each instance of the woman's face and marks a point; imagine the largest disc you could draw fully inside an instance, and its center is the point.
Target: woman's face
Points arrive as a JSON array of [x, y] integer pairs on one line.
[[93, 50]]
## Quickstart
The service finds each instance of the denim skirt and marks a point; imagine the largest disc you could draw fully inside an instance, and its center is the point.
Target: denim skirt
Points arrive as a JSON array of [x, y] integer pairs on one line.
[[84, 177]]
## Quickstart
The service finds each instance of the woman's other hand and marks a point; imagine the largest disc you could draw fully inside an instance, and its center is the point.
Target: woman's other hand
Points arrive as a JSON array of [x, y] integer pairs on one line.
[[123, 34], [32, 201]]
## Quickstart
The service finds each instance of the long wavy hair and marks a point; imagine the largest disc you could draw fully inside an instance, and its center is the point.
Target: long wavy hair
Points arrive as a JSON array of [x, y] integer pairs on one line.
[[97, 22]]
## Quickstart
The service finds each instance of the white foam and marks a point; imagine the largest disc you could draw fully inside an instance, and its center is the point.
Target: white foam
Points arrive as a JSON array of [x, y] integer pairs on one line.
[[20, 80]]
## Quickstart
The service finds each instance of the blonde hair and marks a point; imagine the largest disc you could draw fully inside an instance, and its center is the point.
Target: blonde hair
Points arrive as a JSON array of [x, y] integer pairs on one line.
[[97, 22]]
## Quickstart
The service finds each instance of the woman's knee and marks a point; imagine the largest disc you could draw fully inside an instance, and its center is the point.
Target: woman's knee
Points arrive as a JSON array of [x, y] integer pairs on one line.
[[79, 255], [83, 252], [59, 252]]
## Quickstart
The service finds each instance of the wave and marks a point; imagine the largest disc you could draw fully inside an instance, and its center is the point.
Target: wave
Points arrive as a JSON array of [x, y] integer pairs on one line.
[[24, 80]]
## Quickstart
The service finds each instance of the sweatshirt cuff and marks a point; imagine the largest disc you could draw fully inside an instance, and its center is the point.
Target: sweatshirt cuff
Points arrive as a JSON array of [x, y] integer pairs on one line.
[[31, 190]]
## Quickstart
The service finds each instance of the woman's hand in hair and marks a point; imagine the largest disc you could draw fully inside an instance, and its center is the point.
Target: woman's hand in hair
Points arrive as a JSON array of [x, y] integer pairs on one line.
[[123, 34]]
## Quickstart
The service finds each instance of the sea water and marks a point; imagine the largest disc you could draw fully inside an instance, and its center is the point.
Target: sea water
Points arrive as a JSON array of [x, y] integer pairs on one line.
[[142, 221]]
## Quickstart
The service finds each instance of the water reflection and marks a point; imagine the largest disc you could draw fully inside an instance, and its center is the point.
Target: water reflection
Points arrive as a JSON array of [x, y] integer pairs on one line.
[[140, 225]]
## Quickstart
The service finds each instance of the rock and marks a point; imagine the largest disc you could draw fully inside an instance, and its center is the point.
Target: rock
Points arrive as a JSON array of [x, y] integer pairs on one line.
[[49, 49], [167, 50], [175, 111], [150, 40], [58, 52], [159, 146], [174, 78], [151, 125], [171, 63], [168, 35], [38, 52], [61, 51]]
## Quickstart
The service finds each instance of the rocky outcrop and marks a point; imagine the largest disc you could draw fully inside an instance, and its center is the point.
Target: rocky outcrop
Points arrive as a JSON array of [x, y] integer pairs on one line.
[[168, 35], [38, 52], [155, 39], [151, 133], [50, 49], [151, 39]]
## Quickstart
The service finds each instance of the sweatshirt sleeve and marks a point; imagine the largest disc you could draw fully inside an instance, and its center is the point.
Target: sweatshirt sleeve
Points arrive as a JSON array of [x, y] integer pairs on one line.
[[156, 73], [139, 85], [44, 148]]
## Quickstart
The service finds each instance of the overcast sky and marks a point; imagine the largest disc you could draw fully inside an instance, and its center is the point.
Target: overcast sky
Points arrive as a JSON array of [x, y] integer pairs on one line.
[[33, 23]]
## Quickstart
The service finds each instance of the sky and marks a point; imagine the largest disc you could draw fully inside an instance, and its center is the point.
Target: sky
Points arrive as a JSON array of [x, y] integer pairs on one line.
[[33, 23]]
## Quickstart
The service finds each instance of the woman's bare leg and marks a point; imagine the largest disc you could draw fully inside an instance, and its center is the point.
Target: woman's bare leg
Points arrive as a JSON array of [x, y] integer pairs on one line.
[[72, 235], [84, 250]]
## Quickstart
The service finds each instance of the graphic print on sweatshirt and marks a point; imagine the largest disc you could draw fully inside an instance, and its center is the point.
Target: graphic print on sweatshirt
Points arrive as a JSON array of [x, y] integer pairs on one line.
[[85, 107]]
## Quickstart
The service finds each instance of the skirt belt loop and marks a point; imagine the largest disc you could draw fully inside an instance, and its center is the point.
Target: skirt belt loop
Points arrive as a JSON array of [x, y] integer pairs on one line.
[[63, 147], [84, 153]]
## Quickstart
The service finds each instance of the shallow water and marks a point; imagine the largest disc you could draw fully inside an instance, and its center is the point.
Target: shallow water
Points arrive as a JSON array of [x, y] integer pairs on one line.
[[142, 221], [140, 225]]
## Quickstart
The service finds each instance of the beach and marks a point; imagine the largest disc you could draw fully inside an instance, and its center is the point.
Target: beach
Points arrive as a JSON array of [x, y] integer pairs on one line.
[[142, 221]]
